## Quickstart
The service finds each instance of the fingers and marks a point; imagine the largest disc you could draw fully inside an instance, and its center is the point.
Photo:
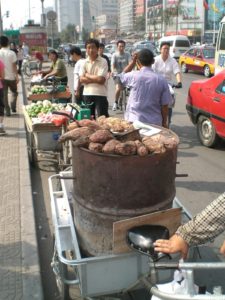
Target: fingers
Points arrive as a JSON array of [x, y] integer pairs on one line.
[[174, 245], [164, 246]]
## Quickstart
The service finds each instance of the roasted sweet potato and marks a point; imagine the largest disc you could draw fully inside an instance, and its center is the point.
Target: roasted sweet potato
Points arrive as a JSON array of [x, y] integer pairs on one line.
[[127, 148], [82, 141], [141, 148], [72, 126], [75, 134], [96, 147], [89, 123], [110, 146], [101, 136]]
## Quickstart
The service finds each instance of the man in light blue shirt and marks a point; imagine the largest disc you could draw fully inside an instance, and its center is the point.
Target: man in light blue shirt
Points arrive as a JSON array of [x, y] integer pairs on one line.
[[149, 95]]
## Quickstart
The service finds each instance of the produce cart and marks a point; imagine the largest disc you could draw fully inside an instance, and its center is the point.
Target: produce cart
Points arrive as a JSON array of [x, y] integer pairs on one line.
[[49, 89], [42, 137]]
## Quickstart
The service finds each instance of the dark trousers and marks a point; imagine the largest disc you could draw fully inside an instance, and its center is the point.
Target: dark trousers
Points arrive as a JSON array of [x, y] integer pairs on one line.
[[19, 66], [2, 106], [12, 85], [99, 104]]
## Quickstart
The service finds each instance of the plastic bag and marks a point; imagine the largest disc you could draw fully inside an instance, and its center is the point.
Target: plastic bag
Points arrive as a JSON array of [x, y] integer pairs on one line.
[[177, 286]]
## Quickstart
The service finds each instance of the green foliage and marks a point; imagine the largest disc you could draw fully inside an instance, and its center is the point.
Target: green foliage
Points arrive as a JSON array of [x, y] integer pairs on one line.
[[140, 24], [69, 34]]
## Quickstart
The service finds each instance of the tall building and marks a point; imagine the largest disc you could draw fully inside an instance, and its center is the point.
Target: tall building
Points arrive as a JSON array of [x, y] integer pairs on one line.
[[68, 12], [126, 15]]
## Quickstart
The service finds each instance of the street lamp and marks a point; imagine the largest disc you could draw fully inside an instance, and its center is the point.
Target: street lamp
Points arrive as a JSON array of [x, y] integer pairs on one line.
[[1, 25], [43, 18]]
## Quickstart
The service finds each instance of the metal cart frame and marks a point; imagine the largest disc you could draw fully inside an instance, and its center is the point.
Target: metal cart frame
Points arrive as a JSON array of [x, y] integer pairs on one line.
[[110, 274]]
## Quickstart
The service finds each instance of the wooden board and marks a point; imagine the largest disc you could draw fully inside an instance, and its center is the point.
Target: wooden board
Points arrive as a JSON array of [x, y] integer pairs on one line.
[[171, 218]]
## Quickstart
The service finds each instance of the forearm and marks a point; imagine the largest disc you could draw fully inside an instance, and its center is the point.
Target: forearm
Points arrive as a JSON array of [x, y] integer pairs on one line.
[[206, 225], [178, 77], [164, 112], [52, 73], [84, 80], [130, 66], [95, 78]]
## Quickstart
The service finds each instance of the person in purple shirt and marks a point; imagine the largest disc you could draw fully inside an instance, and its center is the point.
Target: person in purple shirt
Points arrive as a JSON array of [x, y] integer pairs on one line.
[[149, 95]]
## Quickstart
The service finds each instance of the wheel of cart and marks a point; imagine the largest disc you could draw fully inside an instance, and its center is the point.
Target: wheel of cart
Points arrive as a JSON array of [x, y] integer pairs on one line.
[[117, 276]]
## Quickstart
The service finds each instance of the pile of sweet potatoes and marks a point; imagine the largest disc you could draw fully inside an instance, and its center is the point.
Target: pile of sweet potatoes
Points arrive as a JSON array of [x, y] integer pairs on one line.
[[98, 136]]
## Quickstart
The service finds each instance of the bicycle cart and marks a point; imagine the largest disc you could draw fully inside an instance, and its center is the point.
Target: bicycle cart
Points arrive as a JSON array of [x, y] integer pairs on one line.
[[115, 276]]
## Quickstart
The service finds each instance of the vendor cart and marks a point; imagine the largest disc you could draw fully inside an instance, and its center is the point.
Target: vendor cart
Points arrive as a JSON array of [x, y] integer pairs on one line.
[[42, 140], [119, 276], [53, 90]]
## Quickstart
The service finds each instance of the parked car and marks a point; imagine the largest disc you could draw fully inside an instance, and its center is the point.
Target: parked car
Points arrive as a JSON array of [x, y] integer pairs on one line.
[[198, 59], [178, 44], [107, 53], [149, 46], [206, 108]]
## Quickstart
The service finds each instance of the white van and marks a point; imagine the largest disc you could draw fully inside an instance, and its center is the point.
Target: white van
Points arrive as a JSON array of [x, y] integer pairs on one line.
[[178, 44]]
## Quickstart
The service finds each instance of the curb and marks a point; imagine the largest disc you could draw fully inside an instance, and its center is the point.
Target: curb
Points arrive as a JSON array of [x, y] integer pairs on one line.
[[31, 274]]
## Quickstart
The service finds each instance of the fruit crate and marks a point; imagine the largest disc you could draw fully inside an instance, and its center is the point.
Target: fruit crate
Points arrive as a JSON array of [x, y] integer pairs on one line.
[[51, 96]]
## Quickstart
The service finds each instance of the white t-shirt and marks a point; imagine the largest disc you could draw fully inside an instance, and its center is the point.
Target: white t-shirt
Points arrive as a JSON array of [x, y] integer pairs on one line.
[[99, 67], [166, 68], [77, 69], [9, 58]]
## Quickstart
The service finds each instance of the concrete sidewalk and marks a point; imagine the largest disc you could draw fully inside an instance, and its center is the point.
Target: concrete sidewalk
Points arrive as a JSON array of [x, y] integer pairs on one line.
[[19, 263]]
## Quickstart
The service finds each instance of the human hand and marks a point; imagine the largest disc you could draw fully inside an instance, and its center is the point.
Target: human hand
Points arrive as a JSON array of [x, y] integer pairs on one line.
[[77, 93], [173, 245], [222, 249], [178, 85]]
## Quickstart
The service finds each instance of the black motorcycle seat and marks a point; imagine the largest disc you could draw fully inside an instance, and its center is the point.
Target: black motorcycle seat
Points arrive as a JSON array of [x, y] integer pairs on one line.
[[142, 238]]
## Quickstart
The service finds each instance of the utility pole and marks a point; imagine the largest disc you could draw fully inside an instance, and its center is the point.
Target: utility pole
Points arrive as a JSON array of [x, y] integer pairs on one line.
[[43, 16], [81, 19], [1, 23]]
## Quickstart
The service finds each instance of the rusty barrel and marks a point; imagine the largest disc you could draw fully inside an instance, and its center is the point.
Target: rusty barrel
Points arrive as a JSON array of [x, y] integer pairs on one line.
[[109, 188]]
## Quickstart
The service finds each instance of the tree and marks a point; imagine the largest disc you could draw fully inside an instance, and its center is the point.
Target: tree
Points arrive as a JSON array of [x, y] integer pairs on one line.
[[174, 11], [139, 23], [69, 34]]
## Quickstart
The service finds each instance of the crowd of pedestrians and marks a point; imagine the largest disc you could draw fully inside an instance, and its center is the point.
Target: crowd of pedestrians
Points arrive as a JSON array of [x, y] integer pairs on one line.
[[146, 77]]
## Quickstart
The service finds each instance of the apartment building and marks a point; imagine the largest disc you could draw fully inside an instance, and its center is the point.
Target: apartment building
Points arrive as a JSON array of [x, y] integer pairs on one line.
[[172, 17], [67, 13], [126, 15]]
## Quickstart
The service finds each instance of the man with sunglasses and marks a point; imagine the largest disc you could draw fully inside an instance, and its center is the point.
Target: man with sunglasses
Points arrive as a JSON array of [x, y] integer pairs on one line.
[[168, 67]]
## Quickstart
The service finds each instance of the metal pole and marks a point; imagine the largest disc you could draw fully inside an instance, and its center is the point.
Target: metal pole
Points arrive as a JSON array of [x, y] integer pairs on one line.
[[81, 19], [1, 23], [29, 10], [146, 17], [52, 34], [214, 24]]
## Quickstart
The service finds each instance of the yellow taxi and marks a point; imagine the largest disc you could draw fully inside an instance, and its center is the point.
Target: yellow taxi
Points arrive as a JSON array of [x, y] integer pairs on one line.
[[198, 59]]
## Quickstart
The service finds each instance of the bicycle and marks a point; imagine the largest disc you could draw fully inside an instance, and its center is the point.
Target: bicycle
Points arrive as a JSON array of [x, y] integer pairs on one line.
[[124, 94], [28, 66]]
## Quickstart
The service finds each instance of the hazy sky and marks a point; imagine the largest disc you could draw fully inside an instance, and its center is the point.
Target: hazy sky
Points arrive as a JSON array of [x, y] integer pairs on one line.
[[19, 11]]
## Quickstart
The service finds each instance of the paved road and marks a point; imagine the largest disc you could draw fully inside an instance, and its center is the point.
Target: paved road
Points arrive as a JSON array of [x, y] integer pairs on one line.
[[205, 167]]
